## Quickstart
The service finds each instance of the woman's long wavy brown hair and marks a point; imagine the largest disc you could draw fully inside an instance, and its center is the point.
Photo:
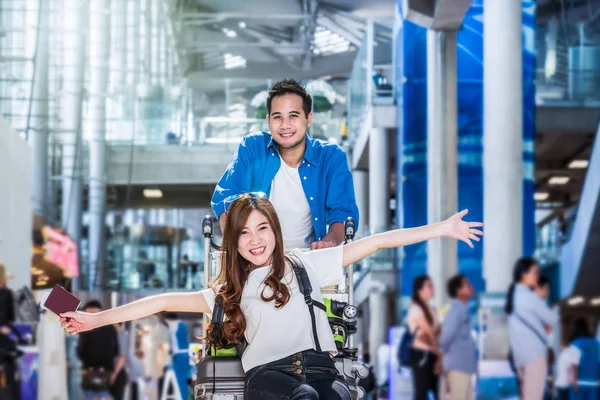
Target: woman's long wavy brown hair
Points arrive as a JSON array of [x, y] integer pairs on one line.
[[235, 269]]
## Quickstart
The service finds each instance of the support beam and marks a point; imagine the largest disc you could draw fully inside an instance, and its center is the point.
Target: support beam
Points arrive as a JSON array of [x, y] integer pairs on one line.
[[235, 15], [336, 64], [502, 141], [442, 149], [334, 27], [70, 131], [39, 116], [99, 67]]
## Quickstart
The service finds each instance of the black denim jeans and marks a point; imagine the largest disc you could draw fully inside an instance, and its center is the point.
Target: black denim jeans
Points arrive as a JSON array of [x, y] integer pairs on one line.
[[425, 381], [307, 375]]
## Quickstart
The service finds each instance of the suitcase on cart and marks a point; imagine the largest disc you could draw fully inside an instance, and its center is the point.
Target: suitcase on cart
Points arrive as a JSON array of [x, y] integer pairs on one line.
[[219, 378]]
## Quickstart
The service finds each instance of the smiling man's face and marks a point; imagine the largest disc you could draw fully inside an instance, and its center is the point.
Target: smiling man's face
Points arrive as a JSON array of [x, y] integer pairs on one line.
[[287, 121]]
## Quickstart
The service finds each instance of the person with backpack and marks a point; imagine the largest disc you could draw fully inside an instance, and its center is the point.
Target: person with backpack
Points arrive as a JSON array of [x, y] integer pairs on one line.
[[268, 299], [419, 348], [529, 322], [456, 342]]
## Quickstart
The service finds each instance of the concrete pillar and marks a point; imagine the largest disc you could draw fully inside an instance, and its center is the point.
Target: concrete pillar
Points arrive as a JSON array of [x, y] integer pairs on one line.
[[502, 141], [378, 320], [99, 68], [75, 36], [137, 29], [442, 167], [361, 192], [39, 116], [551, 48], [118, 79], [155, 49], [379, 180], [148, 42], [370, 35]]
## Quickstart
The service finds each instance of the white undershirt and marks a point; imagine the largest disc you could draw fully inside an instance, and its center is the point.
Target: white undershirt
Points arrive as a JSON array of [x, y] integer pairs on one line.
[[272, 333], [289, 200], [568, 357]]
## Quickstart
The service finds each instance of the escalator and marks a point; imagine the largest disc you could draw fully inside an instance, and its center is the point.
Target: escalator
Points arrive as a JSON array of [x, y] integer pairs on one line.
[[580, 255]]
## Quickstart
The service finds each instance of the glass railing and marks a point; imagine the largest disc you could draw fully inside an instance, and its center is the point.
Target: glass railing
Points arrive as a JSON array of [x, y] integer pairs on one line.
[[383, 260], [568, 63], [359, 85], [371, 81]]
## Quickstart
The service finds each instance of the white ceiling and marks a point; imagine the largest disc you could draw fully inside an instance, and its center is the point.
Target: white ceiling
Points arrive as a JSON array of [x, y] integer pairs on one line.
[[275, 40]]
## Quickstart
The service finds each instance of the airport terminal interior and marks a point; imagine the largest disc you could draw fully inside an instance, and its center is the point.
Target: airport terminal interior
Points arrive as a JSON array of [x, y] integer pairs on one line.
[[134, 132]]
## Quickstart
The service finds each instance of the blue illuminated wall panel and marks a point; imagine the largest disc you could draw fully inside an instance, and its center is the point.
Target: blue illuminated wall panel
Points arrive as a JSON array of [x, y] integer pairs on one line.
[[412, 136]]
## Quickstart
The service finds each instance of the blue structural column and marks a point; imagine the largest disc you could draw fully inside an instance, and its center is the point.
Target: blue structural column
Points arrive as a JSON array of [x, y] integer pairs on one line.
[[411, 188], [411, 153]]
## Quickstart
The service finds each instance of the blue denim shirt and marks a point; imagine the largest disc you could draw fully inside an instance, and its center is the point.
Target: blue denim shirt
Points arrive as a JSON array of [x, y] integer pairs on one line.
[[456, 342], [527, 345], [324, 173]]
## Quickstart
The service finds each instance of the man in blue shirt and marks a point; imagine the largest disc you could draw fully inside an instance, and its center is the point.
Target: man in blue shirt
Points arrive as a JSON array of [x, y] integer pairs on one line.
[[456, 342], [307, 180], [585, 372]]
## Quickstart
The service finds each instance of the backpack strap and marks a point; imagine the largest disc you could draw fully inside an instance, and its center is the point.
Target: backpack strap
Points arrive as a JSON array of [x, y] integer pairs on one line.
[[306, 290]]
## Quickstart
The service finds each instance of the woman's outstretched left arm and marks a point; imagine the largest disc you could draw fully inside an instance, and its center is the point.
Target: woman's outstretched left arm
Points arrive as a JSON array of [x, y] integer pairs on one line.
[[453, 227]]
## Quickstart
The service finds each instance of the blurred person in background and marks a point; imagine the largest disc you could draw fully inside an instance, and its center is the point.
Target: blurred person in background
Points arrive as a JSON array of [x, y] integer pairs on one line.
[[180, 344], [567, 358], [98, 350], [117, 388], [543, 290], [543, 287], [423, 323], [7, 302], [137, 375], [530, 320], [584, 370], [10, 385], [456, 342]]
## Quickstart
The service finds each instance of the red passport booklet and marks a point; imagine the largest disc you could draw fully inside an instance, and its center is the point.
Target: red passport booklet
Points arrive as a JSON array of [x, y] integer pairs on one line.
[[61, 300]]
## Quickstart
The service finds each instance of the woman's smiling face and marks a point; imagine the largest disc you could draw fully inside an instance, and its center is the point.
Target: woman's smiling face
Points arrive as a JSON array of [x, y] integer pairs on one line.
[[257, 240]]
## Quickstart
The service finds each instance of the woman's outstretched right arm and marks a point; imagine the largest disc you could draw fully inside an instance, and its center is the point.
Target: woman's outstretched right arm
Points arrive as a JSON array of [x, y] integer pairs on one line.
[[75, 322]]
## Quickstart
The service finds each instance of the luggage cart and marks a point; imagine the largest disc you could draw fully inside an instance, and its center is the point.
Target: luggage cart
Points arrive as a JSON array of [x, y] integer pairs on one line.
[[222, 377]]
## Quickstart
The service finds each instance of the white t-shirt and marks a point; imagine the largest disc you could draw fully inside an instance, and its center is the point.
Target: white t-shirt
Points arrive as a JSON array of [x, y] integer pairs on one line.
[[288, 197], [566, 359], [272, 333]]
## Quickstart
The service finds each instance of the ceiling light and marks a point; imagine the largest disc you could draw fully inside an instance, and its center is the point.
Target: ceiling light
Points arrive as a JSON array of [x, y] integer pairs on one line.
[[242, 25], [559, 180], [232, 61], [153, 193], [575, 301], [230, 33], [541, 196], [595, 301], [578, 164]]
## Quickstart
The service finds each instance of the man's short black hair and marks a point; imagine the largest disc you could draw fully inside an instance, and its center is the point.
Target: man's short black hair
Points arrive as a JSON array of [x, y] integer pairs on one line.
[[543, 281], [93, 304], [454, 285], [290, 86]]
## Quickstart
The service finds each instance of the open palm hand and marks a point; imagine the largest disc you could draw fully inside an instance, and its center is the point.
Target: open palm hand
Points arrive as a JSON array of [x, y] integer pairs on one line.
[[462, 230]]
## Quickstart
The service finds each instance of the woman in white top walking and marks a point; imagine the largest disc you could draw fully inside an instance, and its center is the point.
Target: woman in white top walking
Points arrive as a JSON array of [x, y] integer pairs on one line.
[[263, 302]]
